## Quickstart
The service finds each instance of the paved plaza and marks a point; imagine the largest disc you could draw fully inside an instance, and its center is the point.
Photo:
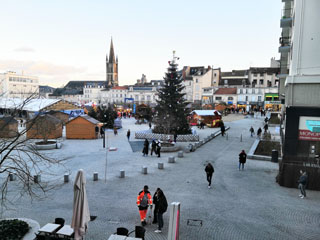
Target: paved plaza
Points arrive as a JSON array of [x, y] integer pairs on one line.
[[245, 204]]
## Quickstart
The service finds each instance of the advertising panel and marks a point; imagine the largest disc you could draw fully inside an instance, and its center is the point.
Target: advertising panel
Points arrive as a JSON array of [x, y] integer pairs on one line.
[[309, 128]]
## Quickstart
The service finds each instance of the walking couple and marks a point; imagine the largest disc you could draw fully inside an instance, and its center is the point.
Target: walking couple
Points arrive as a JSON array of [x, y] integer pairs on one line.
[[144, 200]]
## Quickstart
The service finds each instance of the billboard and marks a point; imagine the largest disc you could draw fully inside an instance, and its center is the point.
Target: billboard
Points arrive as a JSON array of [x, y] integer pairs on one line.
[[309, 128]]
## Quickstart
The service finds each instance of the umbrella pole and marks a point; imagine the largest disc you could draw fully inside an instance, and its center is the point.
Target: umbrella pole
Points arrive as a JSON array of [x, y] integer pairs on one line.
[[105, 168]]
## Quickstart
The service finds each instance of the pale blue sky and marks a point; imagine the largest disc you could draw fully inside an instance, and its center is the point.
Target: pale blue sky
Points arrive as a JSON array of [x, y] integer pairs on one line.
[[64, 40]]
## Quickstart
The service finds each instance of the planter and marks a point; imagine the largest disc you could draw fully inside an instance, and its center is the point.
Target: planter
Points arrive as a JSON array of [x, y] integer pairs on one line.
[[34, 227], [47, 145]]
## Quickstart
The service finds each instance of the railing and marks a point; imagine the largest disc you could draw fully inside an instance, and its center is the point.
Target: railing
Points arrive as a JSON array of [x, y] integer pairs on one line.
[[284, 41], [286, 13]]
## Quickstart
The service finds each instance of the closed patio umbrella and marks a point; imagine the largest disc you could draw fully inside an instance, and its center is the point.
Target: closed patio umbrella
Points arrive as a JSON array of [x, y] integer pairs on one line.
[[81, 214]]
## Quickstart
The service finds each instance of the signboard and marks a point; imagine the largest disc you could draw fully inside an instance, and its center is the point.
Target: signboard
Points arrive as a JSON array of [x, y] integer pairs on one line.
[[309, 128], [134, 108], [128, 100]]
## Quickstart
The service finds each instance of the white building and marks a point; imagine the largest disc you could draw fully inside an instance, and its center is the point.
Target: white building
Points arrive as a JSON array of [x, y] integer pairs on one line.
[[92, 92], [197, 78], [114, 95], [226, 95], [13, 85]]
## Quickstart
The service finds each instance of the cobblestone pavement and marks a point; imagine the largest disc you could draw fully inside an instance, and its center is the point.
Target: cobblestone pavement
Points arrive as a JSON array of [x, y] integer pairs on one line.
[[245, 204]]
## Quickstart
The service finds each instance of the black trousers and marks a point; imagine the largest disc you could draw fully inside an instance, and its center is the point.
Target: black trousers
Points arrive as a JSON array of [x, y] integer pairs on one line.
[[209, 178]]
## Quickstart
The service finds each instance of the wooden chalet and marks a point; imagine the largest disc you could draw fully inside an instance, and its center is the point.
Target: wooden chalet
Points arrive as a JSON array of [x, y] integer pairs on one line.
[[8, 127], [44, 127], [82, 127], [205, 116], [62, 116]]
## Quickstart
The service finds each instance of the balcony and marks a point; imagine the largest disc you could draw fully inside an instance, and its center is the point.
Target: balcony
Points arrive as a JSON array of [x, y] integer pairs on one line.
[[284, 44], [286, 18]]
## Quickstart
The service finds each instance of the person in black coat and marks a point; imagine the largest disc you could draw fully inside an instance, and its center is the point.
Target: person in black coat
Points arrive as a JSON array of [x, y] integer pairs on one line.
[[156, 206], [209, 171], [153, 147], [223, 129], [162, 206], [242, 159], [145, 150]]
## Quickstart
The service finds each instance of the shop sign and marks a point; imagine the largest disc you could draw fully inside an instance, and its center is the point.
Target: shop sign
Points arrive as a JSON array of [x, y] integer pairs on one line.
[[309, 128], [242, 102], [272, 102]]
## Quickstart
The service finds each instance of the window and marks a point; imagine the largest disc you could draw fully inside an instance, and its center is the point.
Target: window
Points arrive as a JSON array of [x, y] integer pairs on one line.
[[215, 75], [240, 90], [255, 75], [226, 82], [230, 98], [269, 98], [197, 80], [148, 98], [218, 98], [259, 98], [246, 98], [276, 98], [261, 74], [261, 81]]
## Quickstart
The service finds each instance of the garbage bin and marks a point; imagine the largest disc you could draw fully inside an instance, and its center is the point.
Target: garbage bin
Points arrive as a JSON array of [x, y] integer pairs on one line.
[[274, 156]]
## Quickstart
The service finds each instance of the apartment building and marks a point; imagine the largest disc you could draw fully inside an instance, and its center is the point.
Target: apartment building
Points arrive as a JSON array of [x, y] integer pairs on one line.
[[13, 85], [301, 116]]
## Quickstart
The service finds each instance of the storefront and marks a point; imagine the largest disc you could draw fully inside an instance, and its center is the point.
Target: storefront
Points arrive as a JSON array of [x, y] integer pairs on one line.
[[272, 102]]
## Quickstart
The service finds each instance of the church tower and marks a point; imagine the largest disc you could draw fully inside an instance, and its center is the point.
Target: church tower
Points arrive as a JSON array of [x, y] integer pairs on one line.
[[112, 68]]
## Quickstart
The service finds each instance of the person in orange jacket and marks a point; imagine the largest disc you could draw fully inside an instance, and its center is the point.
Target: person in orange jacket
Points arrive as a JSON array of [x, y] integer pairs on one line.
[[143, 201]]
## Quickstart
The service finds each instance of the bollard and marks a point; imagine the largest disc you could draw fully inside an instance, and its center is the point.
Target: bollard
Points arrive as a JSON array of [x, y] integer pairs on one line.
[[241, 137], [12, 177], [274, 156], [144, 170], [66, 178], [171, 159], [122, 174], [180, 154], [160, 165], [95, 176], [37, 178]]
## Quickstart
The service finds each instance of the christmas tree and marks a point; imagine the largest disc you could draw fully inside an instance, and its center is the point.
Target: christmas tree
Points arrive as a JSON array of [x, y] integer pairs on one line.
[[171, 113]]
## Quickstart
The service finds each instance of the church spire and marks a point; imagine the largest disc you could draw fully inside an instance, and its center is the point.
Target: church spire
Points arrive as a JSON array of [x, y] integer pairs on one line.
[[111, 54]]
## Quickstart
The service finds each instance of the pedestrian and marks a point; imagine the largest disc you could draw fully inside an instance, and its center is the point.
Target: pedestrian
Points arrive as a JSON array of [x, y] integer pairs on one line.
[[153, 147], [162, 206], [266, 120], [96, 129], [209, 171], [242, 159], [252, 131], [175, 137], [143, 202], [145, 149], [155, 211], [259, 132], [303, 180], [101, 132], [150, 125], [158, 147], [223, 129], [115, 131], [128, 134], [265, 128]]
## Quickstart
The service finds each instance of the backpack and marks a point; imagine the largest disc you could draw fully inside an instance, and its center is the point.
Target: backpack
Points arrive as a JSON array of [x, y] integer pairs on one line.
[[144, 200]]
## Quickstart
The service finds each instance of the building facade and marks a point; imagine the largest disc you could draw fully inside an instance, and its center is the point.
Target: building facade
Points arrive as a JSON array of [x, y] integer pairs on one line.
[[301, 116], [13, 85]]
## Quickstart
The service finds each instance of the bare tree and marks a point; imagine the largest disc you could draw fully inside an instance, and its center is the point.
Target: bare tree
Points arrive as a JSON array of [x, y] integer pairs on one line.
[[21, 160]]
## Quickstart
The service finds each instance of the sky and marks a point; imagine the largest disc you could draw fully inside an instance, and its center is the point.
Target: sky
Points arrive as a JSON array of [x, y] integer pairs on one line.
[[64, 40]]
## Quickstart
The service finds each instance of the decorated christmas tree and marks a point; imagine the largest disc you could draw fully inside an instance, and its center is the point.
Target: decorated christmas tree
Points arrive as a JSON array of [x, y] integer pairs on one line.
[[171, 113]]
